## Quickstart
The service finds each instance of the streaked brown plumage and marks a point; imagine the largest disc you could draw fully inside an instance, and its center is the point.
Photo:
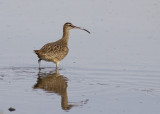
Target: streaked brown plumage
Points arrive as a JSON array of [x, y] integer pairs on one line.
[[56, 51]]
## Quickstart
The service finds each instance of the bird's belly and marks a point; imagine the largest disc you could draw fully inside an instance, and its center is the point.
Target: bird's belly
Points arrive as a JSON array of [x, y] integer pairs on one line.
[[56, 57]]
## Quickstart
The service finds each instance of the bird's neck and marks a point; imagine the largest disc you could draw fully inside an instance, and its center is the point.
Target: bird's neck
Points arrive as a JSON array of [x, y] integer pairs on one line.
[[65, 35]]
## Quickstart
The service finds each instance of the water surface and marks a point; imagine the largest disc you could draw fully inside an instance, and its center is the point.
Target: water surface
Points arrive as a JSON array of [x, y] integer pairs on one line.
[[113, 70]]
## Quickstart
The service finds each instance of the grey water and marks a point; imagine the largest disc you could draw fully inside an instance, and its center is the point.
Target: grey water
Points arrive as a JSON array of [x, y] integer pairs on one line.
[[113, 70]]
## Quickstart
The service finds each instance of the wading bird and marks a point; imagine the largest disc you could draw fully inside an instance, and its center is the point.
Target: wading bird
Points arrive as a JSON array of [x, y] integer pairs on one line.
[[56, 51]]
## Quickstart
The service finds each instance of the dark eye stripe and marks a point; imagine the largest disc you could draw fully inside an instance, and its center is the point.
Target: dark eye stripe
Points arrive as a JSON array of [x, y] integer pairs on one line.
[[69, 24]]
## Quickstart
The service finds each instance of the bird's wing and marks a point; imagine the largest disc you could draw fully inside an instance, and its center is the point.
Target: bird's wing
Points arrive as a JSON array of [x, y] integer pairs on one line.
[[53, 49]]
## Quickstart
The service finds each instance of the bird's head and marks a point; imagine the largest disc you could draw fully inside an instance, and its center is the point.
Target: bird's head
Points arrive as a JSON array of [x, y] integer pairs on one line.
[[69, 26]]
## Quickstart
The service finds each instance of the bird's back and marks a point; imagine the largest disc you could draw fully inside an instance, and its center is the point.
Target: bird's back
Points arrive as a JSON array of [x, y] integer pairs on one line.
[[54, 51]]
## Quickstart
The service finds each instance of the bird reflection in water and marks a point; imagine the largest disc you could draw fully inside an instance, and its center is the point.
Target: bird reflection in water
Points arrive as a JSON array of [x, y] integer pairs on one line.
[[56, 83]]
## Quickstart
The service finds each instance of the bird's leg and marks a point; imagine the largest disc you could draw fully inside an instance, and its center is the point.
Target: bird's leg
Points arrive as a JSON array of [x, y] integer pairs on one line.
[[39, 62], [57, 64]]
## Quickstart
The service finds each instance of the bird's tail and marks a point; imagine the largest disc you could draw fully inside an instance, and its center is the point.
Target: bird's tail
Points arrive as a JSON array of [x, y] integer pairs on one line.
[[36, 51]]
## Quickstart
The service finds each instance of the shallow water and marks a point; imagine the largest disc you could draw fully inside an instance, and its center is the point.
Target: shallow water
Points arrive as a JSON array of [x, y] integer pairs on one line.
[[113, 70], [79, 89]]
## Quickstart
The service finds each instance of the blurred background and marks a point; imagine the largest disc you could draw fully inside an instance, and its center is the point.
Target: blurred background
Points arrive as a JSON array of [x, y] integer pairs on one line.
[[125, 31]]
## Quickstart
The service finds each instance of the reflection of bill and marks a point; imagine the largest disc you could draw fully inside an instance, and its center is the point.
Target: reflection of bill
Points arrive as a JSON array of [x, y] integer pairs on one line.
[[56, 83]]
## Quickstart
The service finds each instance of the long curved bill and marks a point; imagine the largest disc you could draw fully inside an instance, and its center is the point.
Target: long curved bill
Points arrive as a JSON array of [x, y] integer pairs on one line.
[[81, 29]]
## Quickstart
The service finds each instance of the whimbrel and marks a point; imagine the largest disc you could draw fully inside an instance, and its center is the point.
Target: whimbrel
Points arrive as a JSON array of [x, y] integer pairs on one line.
[[56, 51]]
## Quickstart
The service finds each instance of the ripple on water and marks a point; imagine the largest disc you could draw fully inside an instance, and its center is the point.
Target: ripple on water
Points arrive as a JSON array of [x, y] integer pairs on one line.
[[92, 80], [74, 87]]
